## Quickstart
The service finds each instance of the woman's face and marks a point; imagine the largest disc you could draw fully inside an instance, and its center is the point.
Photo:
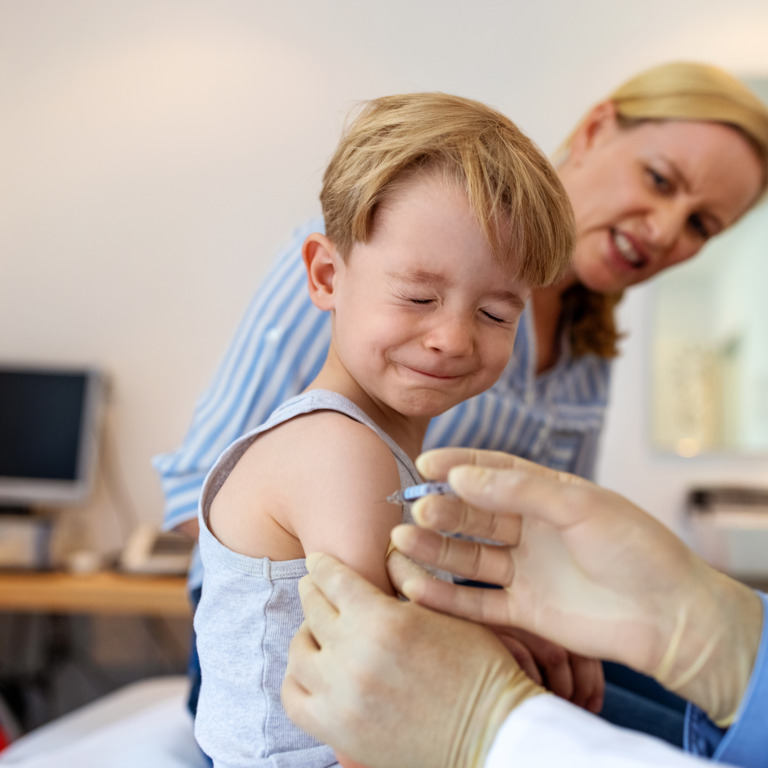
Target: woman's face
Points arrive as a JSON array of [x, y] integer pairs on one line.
[[648, 197]]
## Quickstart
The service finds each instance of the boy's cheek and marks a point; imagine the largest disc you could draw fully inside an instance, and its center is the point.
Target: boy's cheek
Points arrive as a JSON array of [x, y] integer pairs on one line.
[[503, 350]]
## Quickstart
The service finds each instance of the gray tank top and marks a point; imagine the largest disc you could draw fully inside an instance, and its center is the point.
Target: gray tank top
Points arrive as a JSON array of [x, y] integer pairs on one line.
[[248, 613]]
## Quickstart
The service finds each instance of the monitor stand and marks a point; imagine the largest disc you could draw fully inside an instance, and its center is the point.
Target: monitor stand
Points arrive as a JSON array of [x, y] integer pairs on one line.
[[14, 510]]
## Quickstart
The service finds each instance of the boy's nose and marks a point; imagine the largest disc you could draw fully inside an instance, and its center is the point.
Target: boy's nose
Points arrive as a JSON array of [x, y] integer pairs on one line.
[[451, 335]]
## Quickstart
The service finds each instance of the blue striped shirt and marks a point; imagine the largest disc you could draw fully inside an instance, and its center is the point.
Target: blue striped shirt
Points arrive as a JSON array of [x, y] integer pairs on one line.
[[554, 419]]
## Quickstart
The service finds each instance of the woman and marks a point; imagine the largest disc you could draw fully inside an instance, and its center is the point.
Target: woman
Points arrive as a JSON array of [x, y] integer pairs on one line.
[[670, 159]]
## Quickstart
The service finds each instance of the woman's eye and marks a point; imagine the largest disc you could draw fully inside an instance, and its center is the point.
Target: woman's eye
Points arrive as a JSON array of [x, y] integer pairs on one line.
[[699, 227], [659, 180]]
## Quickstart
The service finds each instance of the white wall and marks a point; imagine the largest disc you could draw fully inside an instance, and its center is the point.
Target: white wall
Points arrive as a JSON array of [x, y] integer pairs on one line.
[[155, 153], [656, 481]]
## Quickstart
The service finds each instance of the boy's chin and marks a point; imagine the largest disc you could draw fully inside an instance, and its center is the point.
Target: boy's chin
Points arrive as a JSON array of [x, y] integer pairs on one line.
[[428, 406]]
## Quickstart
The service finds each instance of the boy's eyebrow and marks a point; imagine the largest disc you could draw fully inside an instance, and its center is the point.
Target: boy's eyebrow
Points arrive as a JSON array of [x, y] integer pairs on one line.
[[419, 277], [422, 277]]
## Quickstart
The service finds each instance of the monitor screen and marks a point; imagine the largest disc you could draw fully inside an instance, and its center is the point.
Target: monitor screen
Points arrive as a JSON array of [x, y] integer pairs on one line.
[[48, 434]]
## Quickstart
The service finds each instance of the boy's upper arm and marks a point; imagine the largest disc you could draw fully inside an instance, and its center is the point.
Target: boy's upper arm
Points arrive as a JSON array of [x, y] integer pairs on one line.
[[340, 508]]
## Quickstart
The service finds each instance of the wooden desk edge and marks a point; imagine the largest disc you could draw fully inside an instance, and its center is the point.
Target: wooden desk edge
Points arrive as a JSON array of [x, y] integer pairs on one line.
[[106, 592]]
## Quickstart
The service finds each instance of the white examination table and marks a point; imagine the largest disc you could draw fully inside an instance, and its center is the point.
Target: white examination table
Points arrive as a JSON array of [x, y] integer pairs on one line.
[[144, 725]]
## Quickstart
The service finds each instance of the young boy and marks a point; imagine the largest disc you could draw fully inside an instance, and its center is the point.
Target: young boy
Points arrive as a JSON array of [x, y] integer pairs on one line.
[[440, 218]]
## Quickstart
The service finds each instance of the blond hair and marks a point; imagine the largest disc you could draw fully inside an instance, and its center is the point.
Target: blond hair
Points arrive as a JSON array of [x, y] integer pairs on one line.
[[685, 90], [513, 190], [673, 91]]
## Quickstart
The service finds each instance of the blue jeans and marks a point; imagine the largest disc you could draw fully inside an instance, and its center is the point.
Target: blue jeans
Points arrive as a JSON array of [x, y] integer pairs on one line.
[[193, 666], [638, 702]]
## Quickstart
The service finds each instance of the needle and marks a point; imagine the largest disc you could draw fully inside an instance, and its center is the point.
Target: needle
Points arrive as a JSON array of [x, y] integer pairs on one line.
[[414, 492]]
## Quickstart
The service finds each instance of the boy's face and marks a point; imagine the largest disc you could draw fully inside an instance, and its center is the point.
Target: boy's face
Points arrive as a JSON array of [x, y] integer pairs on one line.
[[424, 316]]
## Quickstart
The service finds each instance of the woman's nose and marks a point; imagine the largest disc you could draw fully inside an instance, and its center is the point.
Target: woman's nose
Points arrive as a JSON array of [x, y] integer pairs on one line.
[[667, 225]]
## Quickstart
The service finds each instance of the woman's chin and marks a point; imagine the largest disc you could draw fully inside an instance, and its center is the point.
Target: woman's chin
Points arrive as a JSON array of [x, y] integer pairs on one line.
[[604, 281]]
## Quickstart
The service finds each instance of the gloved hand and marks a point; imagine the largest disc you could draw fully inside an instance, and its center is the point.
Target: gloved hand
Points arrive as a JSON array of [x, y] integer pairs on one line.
[[583, 567], [365, 665]]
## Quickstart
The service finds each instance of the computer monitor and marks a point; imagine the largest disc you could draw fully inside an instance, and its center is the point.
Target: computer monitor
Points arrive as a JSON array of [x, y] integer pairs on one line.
[[48, 435]]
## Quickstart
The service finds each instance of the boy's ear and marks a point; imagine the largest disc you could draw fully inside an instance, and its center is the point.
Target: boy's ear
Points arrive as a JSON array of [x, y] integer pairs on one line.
[[599, 122], [321, 260]]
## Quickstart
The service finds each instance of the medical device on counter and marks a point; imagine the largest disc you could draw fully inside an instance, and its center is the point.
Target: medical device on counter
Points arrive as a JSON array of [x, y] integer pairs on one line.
[[730, 529]]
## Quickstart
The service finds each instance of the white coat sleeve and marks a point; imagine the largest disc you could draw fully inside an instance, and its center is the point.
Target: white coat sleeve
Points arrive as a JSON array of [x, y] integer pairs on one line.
[[547, 732]]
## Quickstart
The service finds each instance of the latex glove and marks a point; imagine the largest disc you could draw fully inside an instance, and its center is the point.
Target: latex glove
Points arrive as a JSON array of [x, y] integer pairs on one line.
[[587, 569], [365, 667]]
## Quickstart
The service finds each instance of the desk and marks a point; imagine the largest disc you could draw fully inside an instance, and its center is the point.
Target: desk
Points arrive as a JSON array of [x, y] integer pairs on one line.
[[57, 622], [107, 592]]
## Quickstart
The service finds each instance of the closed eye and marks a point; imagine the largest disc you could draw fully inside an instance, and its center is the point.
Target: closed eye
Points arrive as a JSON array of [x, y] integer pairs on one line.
[[493, 317]]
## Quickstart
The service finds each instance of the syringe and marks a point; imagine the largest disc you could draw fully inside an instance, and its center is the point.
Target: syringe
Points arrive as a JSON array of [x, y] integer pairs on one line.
[[413, 492]]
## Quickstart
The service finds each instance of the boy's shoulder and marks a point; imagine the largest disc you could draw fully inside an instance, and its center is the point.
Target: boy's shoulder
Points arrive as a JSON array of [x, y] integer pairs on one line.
[[328, 455], [316, 464], [300, 473], [323, 440], [321, 423], [320, 442], [334, 488]]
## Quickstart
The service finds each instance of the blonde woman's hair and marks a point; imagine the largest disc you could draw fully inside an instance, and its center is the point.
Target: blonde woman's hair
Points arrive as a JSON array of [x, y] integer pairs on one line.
[[513, 190], [673, 91], [684, 90]]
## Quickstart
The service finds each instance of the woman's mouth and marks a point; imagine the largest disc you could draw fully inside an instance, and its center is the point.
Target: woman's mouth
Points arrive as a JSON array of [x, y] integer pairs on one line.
[[627, 250]]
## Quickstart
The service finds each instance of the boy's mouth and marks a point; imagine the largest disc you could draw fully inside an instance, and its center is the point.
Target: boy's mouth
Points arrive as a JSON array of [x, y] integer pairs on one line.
[[439, 374]]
